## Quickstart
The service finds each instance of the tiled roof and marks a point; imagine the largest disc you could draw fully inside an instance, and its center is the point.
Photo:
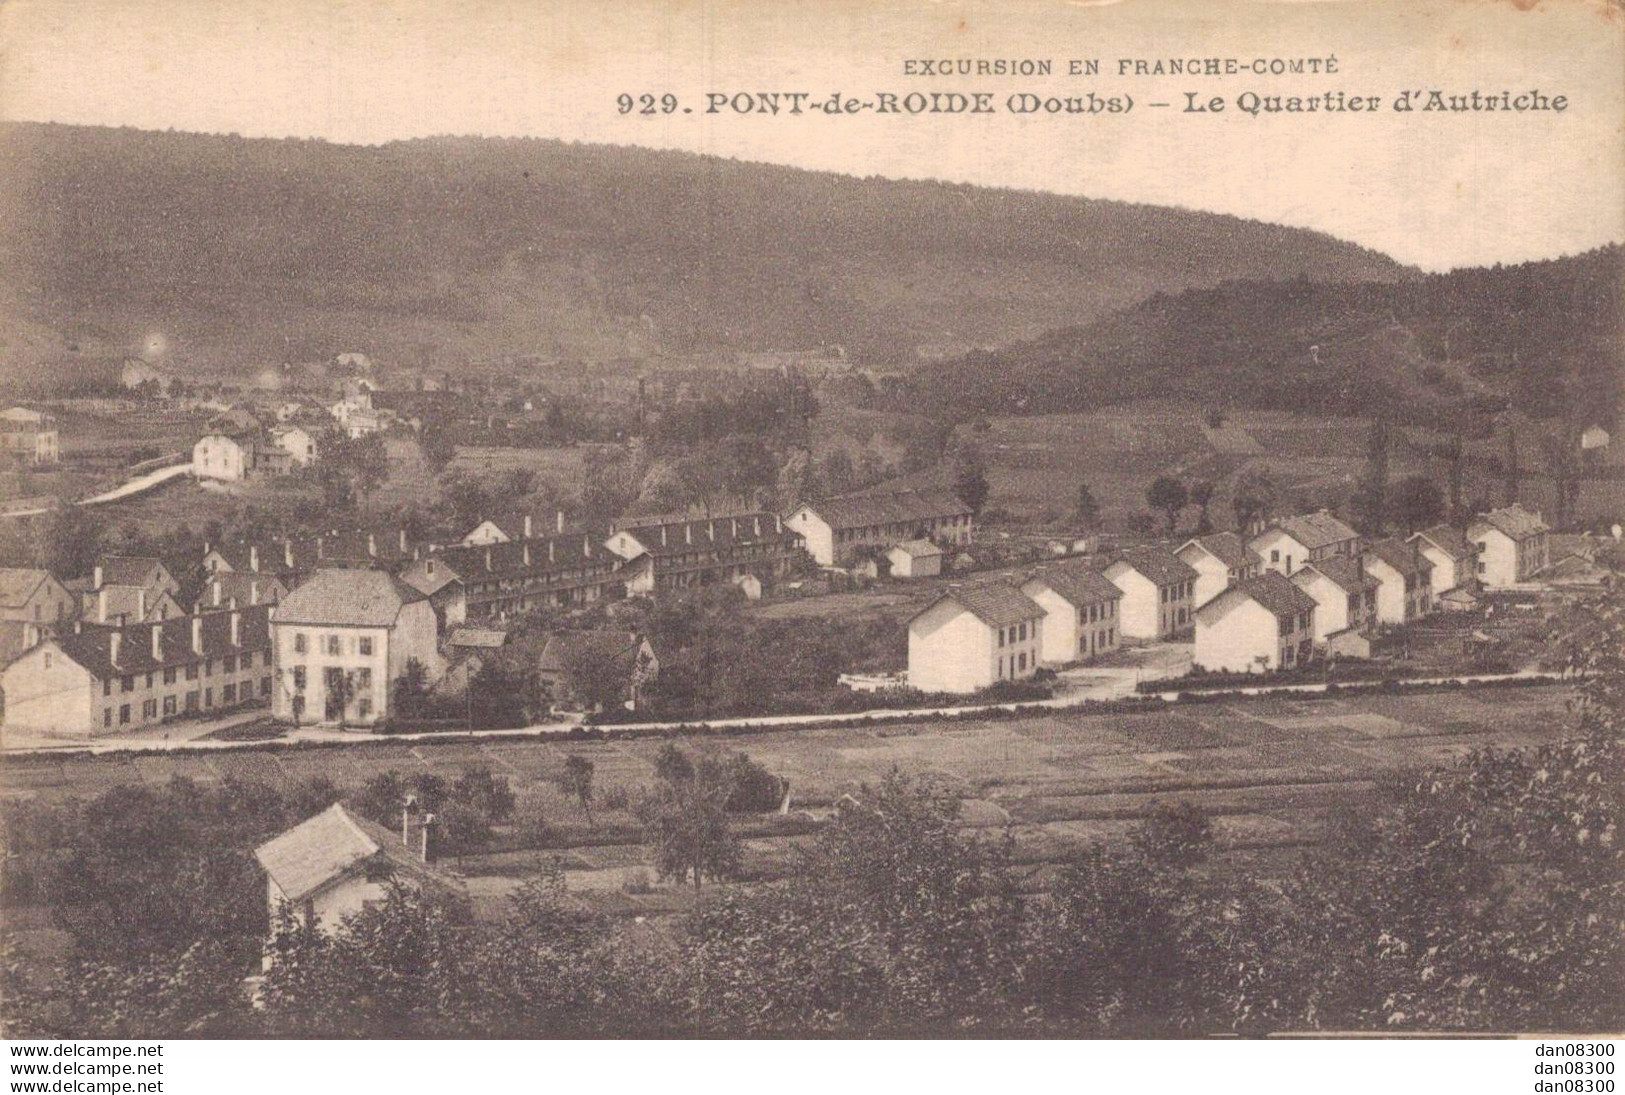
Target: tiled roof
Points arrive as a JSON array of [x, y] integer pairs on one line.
[[92, 647], [1403, 557], [247, 588], [17, 584], [1157, 564], [563, 646], [1227, 547], [682, 536], [316, 852], [1315, 530], [1345, 573], [900, 507], [1448, 539], [1274, 591], [337, 597], [484, 637], [128, 570], [1079, 584], [568, 552], [1515, 521], [994, 603], [919, 549]]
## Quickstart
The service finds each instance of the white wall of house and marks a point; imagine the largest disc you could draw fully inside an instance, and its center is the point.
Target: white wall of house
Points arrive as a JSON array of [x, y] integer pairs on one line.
[[1060, 629], [1333, 611], [1280, 552], [1247, 637], [219, 457], [48, 692], [906, 565], [1448, 571], [819, 537], [486, 532], [1503, 561], [1212, 576], [371, 658], [1397, 603], [949, 650]]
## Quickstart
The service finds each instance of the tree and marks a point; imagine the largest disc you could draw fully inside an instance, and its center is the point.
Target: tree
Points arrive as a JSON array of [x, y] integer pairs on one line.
[[488, 794], [576, 780], [461, 829], [598, 674], [1252, 499], [1168, 495], [970, 479], [686, 820], [412, 690], [1201, 494], [1415, 502], [1088, 509]]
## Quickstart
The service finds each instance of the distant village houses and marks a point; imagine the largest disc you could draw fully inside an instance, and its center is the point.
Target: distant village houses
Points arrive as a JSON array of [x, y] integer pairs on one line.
[[1512, 545], [836, 530], [29, 437]]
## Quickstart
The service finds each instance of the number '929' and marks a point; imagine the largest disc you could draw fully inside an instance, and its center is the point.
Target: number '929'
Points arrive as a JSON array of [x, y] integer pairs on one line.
[[646, 104]]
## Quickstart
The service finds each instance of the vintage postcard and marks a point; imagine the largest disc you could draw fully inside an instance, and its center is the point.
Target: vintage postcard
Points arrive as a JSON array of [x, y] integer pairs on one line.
[[719, 519]]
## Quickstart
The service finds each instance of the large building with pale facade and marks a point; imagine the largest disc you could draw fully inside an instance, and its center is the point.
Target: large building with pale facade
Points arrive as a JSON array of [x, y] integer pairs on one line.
[[969, 639]]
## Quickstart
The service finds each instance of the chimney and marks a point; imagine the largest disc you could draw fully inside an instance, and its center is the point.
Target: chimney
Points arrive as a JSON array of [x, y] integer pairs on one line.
[[756, 526], [254, 592], [662, 535], [550, 551], [197, 634], [96, 580], [558, 522], [403, 539], [236, 628], [777, 527], [217, 593], [487, 558], [115, 644], [527, 526], [586, 547], [78, 627], [321, 548], [287, 554], [101, 603], [157, 642], [372, 545], [140, 604], [711, 531], [688, 533], [527, 548], [733, 528]]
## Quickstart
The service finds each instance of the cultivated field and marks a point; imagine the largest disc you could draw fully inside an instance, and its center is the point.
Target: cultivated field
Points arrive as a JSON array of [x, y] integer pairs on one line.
[[1268, 770]]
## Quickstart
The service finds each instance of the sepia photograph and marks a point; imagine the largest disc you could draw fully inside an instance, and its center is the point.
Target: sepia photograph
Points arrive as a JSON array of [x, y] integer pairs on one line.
[[713, 520]]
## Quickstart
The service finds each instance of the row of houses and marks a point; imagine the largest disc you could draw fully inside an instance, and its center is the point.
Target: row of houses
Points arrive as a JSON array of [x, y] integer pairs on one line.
[[1301, 585]]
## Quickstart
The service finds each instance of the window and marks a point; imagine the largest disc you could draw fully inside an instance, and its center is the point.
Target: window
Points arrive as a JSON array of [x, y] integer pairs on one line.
[[149, 709], [1021, 635], [231, 664], [298, 678], [365, 643], [1001, 643], [364, 708], [265, 686], [1001, 668], [123, 713], [208, 697], [107, 687], [1023, 666], [332, 645], [248, 660], [299, 643], [228, 694], [169, 705], [191, 671], [127, 683], [363, 680], [107, 716], [47, 660], [169, 675], [191, 701], [208, 667], [1275, 555]]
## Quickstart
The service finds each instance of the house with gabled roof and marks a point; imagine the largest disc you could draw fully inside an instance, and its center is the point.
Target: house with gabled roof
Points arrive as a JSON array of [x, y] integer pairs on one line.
[[1345, 595], [914, 559], [31, 595], [1452, 556], [1220, 559], [104, 680], [1159, 592], [679, 554], [1080, 612], [130, 589], [341, 641], [1287, 543], [1406, 591], [335, 864], [1260, 624], [971, 638], [1512, 545], [837, 530], [626, 654], [499, 580]]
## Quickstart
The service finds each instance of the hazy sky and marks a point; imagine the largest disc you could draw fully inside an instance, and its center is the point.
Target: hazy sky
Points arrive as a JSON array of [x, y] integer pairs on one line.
[[1431, 189]]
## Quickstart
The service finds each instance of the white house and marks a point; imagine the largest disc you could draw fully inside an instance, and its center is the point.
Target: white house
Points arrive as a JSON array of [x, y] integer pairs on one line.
[[1159, 592], [1345, 595], [1080, 613], [1261, 624], [342, 639], [969, 639], [1286, 544], [1511, 544], [221, 456], [296, 441], [1593, 439], [1220, 559], [914, 559], [836, 529], [1405, 592], [1451, 555], [337, 863]]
